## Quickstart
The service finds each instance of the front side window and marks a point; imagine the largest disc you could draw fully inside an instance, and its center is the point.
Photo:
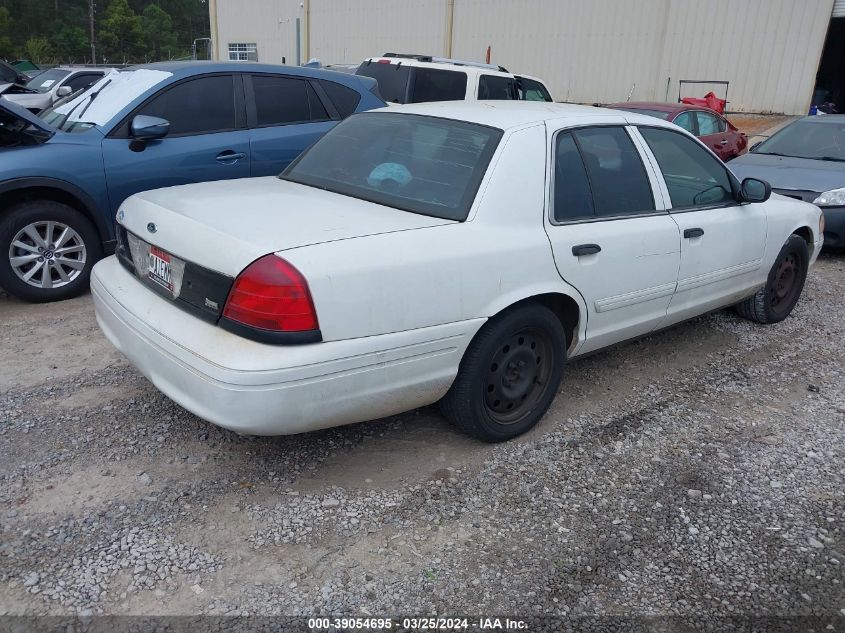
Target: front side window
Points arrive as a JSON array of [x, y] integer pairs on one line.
[[686, 121], [530, 90], [432, 84], [709, 124], [281, 100], [198, 106], [497, 88], [240, 52], [82, 81], [617, 177], [410, 162], [694, 177]]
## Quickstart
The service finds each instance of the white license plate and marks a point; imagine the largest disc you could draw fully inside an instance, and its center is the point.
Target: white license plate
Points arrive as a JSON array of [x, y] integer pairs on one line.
[[158, 266], [160, 270]]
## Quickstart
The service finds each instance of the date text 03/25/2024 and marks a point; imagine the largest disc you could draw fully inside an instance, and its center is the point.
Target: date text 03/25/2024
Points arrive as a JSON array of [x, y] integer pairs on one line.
[[418, 623]]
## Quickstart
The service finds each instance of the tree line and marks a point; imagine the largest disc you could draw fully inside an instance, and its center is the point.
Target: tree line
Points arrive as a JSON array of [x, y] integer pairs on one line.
[[125, 31]]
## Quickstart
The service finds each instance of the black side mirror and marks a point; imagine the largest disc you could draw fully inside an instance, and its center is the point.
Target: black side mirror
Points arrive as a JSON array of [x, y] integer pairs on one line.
[[148, 128], [755, 190]]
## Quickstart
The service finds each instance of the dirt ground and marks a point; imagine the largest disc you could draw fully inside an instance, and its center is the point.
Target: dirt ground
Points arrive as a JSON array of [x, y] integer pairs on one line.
[[700, 471], [757, 124]]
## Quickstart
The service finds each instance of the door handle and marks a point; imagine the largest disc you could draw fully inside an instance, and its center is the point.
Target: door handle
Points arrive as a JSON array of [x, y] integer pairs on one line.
[[229, 156], [724, 141], [585, 249], [693, 232]]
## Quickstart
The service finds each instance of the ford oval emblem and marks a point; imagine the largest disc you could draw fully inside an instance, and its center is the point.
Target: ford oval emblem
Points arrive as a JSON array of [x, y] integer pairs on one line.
[[151, 227]]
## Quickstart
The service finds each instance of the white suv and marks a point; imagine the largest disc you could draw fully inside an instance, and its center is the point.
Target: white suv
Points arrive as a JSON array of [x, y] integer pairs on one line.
[[420, 78]]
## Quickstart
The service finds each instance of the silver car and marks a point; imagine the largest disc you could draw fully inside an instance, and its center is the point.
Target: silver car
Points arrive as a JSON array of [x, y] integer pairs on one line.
[[53, 84]]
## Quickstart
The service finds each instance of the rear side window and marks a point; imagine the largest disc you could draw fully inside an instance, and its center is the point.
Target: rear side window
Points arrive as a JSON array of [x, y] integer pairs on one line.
[[618, 179], [344, 99], [572, 199], [432, 84], [709, 123], [198, 106], [392, 79], [530, 90], [282, 100], [414, 163], [693, 175], [496, 88]]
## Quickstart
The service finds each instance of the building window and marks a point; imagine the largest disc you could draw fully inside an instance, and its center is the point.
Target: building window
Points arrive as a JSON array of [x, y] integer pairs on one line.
[[243, 53]]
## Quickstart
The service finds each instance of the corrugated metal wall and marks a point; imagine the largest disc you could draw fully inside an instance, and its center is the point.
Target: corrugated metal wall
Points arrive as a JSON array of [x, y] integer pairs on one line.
[[587, 51]]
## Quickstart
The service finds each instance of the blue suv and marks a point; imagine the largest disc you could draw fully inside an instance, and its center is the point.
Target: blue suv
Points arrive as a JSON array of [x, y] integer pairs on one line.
[[65, 172]]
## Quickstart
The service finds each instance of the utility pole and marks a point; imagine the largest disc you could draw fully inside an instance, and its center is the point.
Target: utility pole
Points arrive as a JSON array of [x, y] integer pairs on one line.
[[91, 29]]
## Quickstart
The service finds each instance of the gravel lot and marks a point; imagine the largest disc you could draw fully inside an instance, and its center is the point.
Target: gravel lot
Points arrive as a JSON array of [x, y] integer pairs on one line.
[[699, 472]]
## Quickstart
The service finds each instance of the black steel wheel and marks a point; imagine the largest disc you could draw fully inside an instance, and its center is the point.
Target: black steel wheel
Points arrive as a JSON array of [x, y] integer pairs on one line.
[[776, 300], [509, 375]]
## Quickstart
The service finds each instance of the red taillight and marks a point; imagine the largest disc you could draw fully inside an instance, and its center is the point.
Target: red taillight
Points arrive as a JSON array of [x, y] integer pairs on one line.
[[272, 295]]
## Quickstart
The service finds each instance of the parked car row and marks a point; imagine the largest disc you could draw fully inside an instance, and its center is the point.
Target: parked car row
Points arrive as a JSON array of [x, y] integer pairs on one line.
[[155, 126], [458, 251]]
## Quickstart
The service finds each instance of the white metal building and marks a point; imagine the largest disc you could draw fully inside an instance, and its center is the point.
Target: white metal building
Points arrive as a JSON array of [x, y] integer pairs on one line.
[[587, 51]]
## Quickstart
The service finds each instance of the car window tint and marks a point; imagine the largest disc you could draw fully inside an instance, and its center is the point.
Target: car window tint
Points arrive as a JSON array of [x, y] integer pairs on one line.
[[496, 88], [709, 123], [530, 90], [618, 179], [572, 196], [281, 100], [198, 106], [438, 85], [392, 79], [415, 163], [685, 120], [344, 99], [79, 82], [693, 175]]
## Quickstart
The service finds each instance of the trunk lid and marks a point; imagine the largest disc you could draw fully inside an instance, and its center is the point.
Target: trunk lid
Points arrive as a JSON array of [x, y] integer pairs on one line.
[[225, 225]]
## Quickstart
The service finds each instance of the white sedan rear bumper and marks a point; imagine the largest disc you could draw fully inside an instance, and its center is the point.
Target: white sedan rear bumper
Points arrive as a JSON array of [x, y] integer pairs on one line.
[[260, 389]]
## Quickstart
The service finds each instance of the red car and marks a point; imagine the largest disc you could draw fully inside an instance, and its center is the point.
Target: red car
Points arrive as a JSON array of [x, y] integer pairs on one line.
[[712, 128]]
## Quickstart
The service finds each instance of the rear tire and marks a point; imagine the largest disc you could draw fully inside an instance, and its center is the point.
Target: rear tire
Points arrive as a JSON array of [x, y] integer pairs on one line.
[[509, 375], [47, 251], [776, 300]]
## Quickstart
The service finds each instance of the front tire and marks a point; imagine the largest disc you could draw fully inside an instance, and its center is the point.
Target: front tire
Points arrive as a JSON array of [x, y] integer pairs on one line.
[[509, 375], [47, 251], [776, 300]]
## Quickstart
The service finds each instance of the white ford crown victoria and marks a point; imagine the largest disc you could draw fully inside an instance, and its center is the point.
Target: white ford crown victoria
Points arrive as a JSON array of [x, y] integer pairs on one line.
[[454, 252]]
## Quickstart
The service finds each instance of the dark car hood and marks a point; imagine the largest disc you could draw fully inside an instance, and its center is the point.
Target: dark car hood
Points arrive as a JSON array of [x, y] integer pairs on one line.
[[25, 115], [783, 172]]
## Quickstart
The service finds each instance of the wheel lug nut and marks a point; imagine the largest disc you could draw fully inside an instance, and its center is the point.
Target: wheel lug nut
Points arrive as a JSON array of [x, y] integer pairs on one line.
[[40, 249], [40, 259]]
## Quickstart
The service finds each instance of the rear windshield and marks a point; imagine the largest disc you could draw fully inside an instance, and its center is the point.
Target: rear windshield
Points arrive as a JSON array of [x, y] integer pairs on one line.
[[659, 114], [415, 163], [392, 79]]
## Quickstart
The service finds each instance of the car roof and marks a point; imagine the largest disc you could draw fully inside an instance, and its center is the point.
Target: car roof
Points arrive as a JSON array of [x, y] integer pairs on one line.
[[507, 114], [200, 67], [834, 119], [660, 106]]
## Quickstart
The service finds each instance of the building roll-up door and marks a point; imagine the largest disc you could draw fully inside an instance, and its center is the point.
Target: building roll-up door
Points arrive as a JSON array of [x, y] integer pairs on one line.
[[838, 8]]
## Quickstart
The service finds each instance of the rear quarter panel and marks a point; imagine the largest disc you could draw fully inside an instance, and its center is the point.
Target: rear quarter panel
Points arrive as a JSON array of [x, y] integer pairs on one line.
[[465, 270]]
